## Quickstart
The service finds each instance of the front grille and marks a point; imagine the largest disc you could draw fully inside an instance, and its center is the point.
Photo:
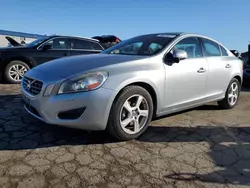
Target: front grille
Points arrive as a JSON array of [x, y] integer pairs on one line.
[[32, 86]]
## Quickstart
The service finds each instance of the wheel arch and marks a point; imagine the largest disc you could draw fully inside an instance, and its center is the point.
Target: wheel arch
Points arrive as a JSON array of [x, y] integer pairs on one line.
[[147, 86], [6, 61], [26, 60], [238, 78]]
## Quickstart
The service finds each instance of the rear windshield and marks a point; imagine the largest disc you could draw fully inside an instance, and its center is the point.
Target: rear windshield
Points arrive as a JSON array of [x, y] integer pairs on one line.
[[145, 45]]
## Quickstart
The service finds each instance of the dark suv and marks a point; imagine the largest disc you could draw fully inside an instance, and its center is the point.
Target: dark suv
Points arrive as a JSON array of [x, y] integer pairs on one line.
[[16, 60]]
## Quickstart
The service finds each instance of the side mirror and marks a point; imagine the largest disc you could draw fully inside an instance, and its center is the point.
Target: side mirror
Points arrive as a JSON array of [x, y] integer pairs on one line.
[[179, 54], [176, 56], [47, 47]]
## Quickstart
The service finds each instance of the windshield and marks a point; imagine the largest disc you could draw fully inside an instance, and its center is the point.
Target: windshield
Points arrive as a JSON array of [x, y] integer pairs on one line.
[[146, 45], [36, 42]]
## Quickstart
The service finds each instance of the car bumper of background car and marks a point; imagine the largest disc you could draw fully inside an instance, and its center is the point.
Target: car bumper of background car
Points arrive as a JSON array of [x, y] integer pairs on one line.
[[246, 77], [84, 110]]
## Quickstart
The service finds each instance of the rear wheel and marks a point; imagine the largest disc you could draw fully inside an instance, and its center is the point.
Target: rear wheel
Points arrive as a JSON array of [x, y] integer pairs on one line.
[[14, 71], [130, 114], [232, 95]]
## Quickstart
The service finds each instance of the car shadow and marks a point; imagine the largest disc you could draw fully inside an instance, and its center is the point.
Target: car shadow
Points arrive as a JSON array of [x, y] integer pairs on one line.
[[229, 147], [229, 150]]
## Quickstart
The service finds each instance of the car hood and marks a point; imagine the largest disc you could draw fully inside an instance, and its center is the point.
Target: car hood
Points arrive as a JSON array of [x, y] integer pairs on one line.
[[13, 42], [69, 66], [14, 48]]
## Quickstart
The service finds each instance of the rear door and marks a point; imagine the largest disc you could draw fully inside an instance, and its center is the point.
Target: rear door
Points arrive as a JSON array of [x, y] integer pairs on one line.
[[219, 67], [59, 48], [82, 46]]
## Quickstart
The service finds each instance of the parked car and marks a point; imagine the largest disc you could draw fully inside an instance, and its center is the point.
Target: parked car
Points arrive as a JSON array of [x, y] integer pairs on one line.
[[246, 74], [108, 40], [236, 53], [16, 60], [122, 88]]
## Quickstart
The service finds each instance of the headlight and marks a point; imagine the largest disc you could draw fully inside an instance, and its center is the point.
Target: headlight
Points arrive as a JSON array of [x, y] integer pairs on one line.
[[86, 82]]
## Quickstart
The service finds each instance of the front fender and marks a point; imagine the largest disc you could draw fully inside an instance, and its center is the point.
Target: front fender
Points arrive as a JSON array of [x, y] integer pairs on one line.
[[154, 78]]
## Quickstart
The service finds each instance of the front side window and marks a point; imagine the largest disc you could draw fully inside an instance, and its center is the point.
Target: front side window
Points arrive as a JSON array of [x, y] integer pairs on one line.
[[211, 48], [58, 43], [145, 45], [191, 45]]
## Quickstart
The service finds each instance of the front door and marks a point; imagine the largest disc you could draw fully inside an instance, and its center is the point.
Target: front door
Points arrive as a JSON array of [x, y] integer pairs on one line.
[[59, 47], [186, 80]]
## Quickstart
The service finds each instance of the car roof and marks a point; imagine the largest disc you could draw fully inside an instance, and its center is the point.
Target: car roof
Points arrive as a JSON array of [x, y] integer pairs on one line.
[[175, 34], [77, 37]]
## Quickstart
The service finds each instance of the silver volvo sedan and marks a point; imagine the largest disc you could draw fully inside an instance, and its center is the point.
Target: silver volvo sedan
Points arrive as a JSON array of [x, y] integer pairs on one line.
[[124, 87]]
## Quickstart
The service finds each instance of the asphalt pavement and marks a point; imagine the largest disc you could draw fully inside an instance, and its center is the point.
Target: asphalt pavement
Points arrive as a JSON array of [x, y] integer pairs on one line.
[[202, 147]]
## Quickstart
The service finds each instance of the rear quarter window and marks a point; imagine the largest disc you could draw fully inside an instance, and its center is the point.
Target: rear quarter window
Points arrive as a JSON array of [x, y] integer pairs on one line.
[[223, 51], [212, 49], [96, 46]]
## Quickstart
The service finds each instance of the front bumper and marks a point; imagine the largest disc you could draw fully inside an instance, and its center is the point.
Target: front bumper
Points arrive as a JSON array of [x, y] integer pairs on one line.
[[95, 104]]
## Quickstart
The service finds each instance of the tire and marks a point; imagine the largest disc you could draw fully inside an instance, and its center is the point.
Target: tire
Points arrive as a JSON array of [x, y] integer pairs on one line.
[[9, 69], [130, 93], [225, 103]]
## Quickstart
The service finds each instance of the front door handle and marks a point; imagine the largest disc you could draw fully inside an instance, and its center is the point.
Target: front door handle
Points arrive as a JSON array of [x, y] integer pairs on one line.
[[228, 66], [201, 70]]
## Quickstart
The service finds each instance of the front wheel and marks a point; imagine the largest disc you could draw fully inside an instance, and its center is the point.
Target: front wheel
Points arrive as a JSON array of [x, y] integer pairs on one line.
[[130, 114], [14, 71], [232, 95]]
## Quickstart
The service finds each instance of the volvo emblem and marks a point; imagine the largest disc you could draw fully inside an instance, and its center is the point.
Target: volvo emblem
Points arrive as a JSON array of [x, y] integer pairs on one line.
[[28, 86]]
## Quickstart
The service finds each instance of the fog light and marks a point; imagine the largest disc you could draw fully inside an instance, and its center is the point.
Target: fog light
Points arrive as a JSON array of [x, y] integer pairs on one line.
[[49, 90], [71, 114]]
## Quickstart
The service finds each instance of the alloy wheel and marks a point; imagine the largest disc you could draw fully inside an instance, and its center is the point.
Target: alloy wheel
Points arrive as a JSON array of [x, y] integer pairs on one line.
[[17, 71], [134, 114], [233, 93]]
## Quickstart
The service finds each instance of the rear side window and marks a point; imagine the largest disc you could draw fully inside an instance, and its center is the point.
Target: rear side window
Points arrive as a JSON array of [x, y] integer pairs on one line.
[[223, 51], [211, 48], [77, 44], [58, 43]]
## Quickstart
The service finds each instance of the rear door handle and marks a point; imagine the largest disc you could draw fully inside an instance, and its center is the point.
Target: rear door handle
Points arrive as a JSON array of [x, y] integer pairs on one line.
[[228, 66], [201, 70]]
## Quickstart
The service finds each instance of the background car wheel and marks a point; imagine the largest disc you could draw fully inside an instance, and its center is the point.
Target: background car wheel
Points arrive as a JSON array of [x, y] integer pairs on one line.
[[130, 114], [232, 95], [14, 71]]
